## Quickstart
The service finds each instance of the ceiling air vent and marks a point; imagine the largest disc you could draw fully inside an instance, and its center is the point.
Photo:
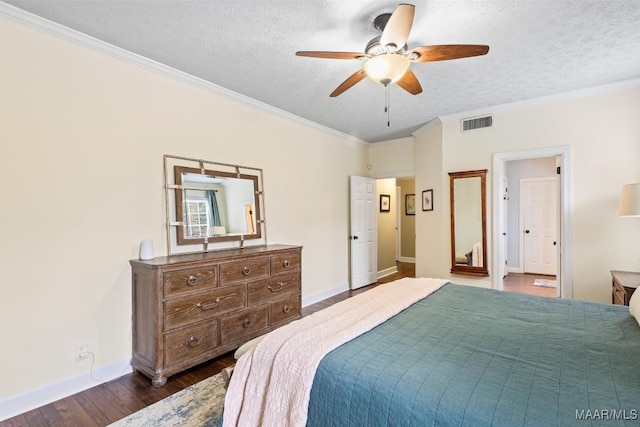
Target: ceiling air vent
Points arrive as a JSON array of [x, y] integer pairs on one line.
[[474, 123]]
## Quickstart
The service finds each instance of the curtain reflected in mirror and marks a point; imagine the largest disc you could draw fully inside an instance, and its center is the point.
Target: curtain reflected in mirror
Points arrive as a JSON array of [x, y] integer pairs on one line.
[[468, 222]]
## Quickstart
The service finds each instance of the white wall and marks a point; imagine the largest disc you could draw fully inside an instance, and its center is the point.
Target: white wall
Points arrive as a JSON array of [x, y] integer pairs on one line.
[[83, 135], [602, 128]]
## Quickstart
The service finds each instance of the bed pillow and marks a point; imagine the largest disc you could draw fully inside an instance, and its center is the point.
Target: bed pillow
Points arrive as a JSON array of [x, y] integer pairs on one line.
[[634, 306]]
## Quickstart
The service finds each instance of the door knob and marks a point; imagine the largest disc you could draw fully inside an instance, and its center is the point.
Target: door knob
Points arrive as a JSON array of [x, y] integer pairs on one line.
[[355, 237], [555, 243], [526, 231]]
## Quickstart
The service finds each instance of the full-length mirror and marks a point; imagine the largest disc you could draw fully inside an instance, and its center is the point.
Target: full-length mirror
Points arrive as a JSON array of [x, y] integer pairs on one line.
[[468, 222], [211, 203]]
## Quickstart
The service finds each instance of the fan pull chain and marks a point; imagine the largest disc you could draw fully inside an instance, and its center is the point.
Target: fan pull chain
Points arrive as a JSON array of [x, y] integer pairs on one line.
[[386, 104]]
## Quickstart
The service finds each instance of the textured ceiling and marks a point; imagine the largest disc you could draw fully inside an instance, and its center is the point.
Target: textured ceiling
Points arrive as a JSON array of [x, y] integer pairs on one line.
[[538, 48]]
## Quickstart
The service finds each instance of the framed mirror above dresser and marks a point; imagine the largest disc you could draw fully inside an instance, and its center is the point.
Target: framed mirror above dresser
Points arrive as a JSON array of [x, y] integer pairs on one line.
[[220, 284], [211, 205]]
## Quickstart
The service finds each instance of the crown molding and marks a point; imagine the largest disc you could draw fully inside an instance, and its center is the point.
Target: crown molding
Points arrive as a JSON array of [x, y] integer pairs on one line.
[[430, 124], [406, 139], [46, 26], [544, 100]]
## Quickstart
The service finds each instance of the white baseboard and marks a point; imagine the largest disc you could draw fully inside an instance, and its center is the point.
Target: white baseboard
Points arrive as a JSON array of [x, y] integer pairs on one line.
[[514, 270], [25, 402], [407, 259], [324, 295], [33, 399], [387, 272]]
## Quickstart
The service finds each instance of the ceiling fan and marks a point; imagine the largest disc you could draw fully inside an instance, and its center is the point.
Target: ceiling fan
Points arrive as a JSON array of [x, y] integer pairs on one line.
[[386, 58]]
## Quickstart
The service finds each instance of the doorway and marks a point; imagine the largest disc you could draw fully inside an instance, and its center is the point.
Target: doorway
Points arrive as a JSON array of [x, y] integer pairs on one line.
[[559, 159]]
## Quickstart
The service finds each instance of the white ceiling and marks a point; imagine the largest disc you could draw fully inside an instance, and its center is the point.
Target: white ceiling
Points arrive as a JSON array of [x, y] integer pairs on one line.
[[537, 48]]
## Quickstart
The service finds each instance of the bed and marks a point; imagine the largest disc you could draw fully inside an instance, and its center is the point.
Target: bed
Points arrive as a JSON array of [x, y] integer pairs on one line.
[[458, 356]]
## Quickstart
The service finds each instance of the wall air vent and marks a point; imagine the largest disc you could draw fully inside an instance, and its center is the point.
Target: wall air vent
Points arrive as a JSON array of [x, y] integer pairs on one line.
[[473, 123]]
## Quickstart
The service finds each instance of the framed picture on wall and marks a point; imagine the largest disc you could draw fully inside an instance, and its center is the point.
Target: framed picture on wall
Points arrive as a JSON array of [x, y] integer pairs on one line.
[[427, 200], [410, 204], [385, 202]]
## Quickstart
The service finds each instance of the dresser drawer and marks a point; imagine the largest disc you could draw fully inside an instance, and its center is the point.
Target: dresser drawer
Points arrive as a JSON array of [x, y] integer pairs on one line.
[[285, 309], [181, 281], [190, 343], [241, 325], [286, 262], [269, 289], [244, 271], [194, 308]]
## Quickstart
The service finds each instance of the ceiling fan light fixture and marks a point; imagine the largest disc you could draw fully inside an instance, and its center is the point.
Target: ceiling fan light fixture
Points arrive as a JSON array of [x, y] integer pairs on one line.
[[386, 68]]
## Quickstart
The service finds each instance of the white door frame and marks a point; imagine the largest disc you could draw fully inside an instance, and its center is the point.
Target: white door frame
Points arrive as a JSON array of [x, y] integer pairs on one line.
[[565, 240], [398, 223]]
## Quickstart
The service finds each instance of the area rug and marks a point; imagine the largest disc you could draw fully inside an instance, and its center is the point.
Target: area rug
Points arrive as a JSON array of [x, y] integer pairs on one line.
[[198, 405], [545, 283]]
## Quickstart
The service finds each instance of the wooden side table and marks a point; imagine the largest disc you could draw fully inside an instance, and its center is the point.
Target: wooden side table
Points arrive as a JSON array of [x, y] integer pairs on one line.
[[623, 284]]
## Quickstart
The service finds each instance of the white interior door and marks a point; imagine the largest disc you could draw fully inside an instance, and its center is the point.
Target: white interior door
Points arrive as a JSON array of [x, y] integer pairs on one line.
[[538, 204], [364, 232]]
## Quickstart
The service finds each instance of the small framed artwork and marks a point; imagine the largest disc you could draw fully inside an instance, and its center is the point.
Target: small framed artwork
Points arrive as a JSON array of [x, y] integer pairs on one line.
[[427, 200], [410, 204], [385, 202]]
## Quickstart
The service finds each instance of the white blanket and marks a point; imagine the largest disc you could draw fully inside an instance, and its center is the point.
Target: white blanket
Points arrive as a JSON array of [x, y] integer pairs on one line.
[[271, 385]]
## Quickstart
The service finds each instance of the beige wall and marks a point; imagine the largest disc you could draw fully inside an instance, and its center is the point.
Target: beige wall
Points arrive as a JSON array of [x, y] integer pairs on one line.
[[432, 227], [392, 159], [386, 226], [407, 222], [602, 129], [83, 135]]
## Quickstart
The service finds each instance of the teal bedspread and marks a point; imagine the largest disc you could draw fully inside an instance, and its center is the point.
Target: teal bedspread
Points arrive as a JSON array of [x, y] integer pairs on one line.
[[467, 356]]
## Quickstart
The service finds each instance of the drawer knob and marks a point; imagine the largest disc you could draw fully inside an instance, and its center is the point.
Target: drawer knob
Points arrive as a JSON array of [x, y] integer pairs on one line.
[[246, 323], [272, 289], [192, 280], [286, 309], [205, 307], [286, 263], [194, 342], [246, 271]]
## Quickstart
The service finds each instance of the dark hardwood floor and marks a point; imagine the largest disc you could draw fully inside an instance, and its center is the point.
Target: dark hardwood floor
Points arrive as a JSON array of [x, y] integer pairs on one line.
[[113, 400]]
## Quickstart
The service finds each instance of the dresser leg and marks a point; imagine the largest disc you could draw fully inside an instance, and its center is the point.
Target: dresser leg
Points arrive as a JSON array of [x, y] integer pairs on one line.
[[158, 380]]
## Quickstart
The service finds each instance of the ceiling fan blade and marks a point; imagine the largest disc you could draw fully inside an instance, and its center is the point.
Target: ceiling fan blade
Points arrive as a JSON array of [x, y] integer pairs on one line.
[[410, 83], [331, 55], [347, 84], [396, 31], [444, 52]]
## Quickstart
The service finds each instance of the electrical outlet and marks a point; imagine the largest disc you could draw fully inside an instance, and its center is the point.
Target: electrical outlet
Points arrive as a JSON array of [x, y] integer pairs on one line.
[[82, 351]]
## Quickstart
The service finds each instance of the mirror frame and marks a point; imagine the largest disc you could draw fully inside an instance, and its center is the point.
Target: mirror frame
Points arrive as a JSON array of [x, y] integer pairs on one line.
[[177, 243], [180, 229], [468, 269]]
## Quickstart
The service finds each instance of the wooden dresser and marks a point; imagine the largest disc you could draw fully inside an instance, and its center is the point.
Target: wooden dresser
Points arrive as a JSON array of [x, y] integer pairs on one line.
[[623, 285], [190, 308]]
